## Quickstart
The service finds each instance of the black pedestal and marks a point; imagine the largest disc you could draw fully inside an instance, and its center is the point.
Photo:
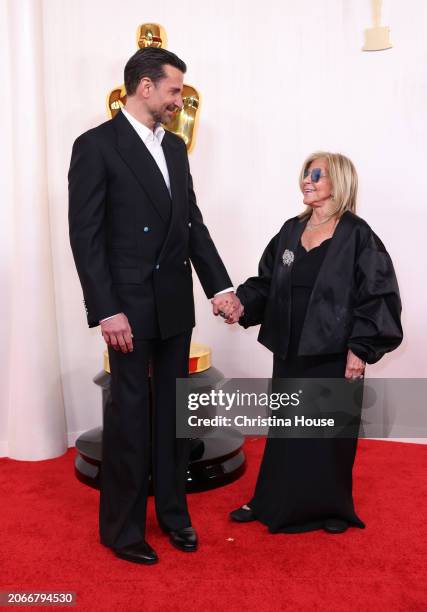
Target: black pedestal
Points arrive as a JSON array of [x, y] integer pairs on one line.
[[214, 462]]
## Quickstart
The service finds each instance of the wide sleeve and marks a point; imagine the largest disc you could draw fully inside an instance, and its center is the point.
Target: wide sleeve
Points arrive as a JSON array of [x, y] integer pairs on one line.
[[376, 326], [255, 291]]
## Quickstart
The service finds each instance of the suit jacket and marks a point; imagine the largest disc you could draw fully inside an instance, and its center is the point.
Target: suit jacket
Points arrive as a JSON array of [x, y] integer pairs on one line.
[[132, 242], [355, 301]]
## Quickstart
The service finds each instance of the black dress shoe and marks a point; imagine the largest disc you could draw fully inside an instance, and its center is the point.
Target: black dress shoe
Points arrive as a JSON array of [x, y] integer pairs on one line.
[[335, 526], [184, 539], [137, 553], [241, 515]]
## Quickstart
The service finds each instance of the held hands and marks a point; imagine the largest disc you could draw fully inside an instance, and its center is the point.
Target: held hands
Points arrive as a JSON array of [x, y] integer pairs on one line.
[[117, 333], [355, 367], [228, 306]]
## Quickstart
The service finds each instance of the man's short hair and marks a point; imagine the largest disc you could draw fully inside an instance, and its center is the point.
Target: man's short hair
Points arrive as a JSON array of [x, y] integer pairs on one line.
[[149, 62]]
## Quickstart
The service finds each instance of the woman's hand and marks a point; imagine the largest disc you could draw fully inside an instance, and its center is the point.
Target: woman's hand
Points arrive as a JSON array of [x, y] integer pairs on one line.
[[228, 306], [355, 367], [234, 316]]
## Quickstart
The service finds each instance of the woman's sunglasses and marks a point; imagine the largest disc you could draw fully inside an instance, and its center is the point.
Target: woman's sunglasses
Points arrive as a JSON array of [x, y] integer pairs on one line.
[[315, 174]]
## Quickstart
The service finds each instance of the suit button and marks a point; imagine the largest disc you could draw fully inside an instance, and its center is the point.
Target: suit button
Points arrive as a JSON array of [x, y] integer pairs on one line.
[[189, 224], [185, 262], [146, 229], [157, 267]]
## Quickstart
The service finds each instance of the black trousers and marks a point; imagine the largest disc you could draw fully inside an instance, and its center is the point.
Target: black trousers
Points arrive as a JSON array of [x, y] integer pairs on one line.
[[138, 441]]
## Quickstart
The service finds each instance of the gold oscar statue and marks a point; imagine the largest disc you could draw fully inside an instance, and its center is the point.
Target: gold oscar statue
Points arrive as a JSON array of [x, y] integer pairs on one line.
[[184, 122], [151, 35], [377, 38]]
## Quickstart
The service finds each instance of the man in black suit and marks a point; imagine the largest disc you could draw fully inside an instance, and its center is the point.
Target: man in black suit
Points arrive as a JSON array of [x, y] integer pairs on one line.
[[134, 228]]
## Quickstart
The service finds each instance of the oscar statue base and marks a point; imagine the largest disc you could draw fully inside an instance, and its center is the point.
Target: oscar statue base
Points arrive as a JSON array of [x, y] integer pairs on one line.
[[214, 462]]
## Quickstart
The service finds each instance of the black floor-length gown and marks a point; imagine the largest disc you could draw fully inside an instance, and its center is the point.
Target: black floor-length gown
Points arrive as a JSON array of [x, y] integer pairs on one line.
[[304, 481]]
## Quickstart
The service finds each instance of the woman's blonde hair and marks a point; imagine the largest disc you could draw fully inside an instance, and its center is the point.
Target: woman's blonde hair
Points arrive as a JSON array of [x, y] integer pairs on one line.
[[344, 180]]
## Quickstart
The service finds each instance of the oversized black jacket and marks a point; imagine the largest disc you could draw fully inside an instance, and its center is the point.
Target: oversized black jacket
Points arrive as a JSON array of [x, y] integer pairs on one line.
[[355, 301], [132, 243]]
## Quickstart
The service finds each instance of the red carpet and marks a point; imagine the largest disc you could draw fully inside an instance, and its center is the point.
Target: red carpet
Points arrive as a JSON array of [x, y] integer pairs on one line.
[[49, 542]]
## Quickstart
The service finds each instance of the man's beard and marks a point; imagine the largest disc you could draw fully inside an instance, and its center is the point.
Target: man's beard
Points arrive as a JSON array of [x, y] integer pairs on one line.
[[162, 116]]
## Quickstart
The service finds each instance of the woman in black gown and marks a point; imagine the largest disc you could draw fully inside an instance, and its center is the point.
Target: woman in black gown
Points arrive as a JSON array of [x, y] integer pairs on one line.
[[328, 302]]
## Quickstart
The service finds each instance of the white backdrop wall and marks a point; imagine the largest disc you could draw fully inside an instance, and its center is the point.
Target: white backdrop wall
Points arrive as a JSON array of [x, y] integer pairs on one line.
[[6, 230], [278, 80], [32, 412]]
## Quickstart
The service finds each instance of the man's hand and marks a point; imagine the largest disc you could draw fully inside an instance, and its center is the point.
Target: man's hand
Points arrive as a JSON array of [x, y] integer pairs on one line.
[[117, 333], [355, 367], [227, 305]]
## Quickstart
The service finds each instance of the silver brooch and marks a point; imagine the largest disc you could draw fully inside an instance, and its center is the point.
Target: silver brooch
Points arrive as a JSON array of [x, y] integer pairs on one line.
[[287, 257]]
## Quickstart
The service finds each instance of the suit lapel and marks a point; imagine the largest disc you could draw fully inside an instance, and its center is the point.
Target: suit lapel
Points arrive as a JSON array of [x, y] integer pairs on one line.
[[332, 257], [176, 163], [176, 169], [142, 164]]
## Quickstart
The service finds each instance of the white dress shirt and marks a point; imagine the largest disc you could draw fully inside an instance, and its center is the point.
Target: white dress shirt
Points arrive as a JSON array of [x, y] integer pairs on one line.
[[153, 141]]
